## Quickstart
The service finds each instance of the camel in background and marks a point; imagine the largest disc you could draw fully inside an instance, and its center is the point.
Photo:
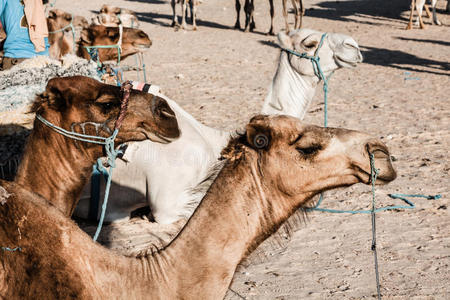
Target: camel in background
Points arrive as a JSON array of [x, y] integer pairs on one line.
[[112, 16], [57, 167], [249, 8], [61, 35], [184, 9], [131, 41], [171, 178], [269, 172], [418, 5]]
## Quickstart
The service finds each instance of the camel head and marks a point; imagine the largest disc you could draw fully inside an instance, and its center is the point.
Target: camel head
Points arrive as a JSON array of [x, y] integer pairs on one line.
[[61, 42], [133, 41], [337, 50], [88, 106], [300, 159], [58, 19], [113, 16]]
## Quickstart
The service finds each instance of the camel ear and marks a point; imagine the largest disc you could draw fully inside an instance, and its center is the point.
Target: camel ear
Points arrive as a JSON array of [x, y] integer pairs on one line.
[[259, 136], [285, 40], [59, 93]]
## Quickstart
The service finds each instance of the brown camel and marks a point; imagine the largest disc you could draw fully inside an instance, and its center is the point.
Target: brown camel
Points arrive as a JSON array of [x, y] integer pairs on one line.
[[57, 167], [249, 8], [61, 36], [114, 16], [271, 171], [133, 41]]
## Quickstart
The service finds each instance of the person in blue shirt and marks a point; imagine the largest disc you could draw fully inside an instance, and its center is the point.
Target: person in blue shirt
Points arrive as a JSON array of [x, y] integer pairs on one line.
[[18, 45]]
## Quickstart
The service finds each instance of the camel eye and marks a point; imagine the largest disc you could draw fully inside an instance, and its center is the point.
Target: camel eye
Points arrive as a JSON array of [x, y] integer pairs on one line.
[[308, 150], [310, 44], [142, 34]]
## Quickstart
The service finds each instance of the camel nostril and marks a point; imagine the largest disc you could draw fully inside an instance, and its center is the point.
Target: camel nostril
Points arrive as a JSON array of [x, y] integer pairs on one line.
[[167, 113]]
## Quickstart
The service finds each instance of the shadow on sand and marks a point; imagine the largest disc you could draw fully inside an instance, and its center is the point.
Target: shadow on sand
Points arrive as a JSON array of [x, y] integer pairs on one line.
[[369, 9], [404, 61]]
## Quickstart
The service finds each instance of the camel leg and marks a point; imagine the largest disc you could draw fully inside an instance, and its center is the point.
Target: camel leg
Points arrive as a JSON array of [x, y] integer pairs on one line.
[[285, 14], [272, 14], [174, 19], [435, 19], [447, 8], [296, 12], [183, 14], [302, 12], [252, 19], [419, 9], [248, 8], [193, 6], [237, 25], [427, 11]]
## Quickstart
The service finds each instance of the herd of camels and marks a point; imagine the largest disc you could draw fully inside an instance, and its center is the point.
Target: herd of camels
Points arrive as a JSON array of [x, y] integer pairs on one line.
[[251, 182], [270, 171]]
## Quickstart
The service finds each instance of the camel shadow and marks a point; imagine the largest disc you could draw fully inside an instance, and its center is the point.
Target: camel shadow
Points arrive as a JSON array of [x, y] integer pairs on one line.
[[438, 42], [369, 9], [150, 1], [403, 61], [269, 44], [159, 19]]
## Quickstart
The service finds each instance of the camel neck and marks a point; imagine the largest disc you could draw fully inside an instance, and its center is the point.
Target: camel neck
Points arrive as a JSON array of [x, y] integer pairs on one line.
[[56, 167], [290, 93], [232, 220]]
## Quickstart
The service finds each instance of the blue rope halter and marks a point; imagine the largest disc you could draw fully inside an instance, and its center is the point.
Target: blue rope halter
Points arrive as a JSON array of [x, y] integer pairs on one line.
[[315, 60]]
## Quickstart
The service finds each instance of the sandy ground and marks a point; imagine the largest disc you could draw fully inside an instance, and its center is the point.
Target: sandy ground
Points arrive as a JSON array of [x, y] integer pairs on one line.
[[400, 93]]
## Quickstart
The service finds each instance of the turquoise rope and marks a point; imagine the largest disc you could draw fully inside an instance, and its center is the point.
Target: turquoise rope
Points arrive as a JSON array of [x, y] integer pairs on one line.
[[105, 47], [111, 154], [11, 249], [373, 178]]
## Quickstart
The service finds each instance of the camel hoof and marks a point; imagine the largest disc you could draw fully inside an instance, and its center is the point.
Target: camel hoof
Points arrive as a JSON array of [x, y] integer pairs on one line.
[[174, 24], [237, 26], [194, 28], [438, 23], [408, 27], [270, 33]]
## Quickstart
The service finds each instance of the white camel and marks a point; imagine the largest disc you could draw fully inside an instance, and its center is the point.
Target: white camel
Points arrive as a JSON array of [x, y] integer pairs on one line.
[[168, 177]]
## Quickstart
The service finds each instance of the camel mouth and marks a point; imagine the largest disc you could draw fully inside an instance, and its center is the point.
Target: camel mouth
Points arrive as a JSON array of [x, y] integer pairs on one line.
[[157, 137], [344, 62], [142, 47]]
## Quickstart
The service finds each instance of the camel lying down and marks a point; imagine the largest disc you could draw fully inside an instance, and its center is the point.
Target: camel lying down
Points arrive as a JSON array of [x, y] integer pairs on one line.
[[271, 170]]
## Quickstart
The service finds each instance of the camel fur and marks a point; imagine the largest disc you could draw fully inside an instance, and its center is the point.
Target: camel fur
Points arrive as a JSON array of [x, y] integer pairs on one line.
[[86, 106], [273, 169]]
